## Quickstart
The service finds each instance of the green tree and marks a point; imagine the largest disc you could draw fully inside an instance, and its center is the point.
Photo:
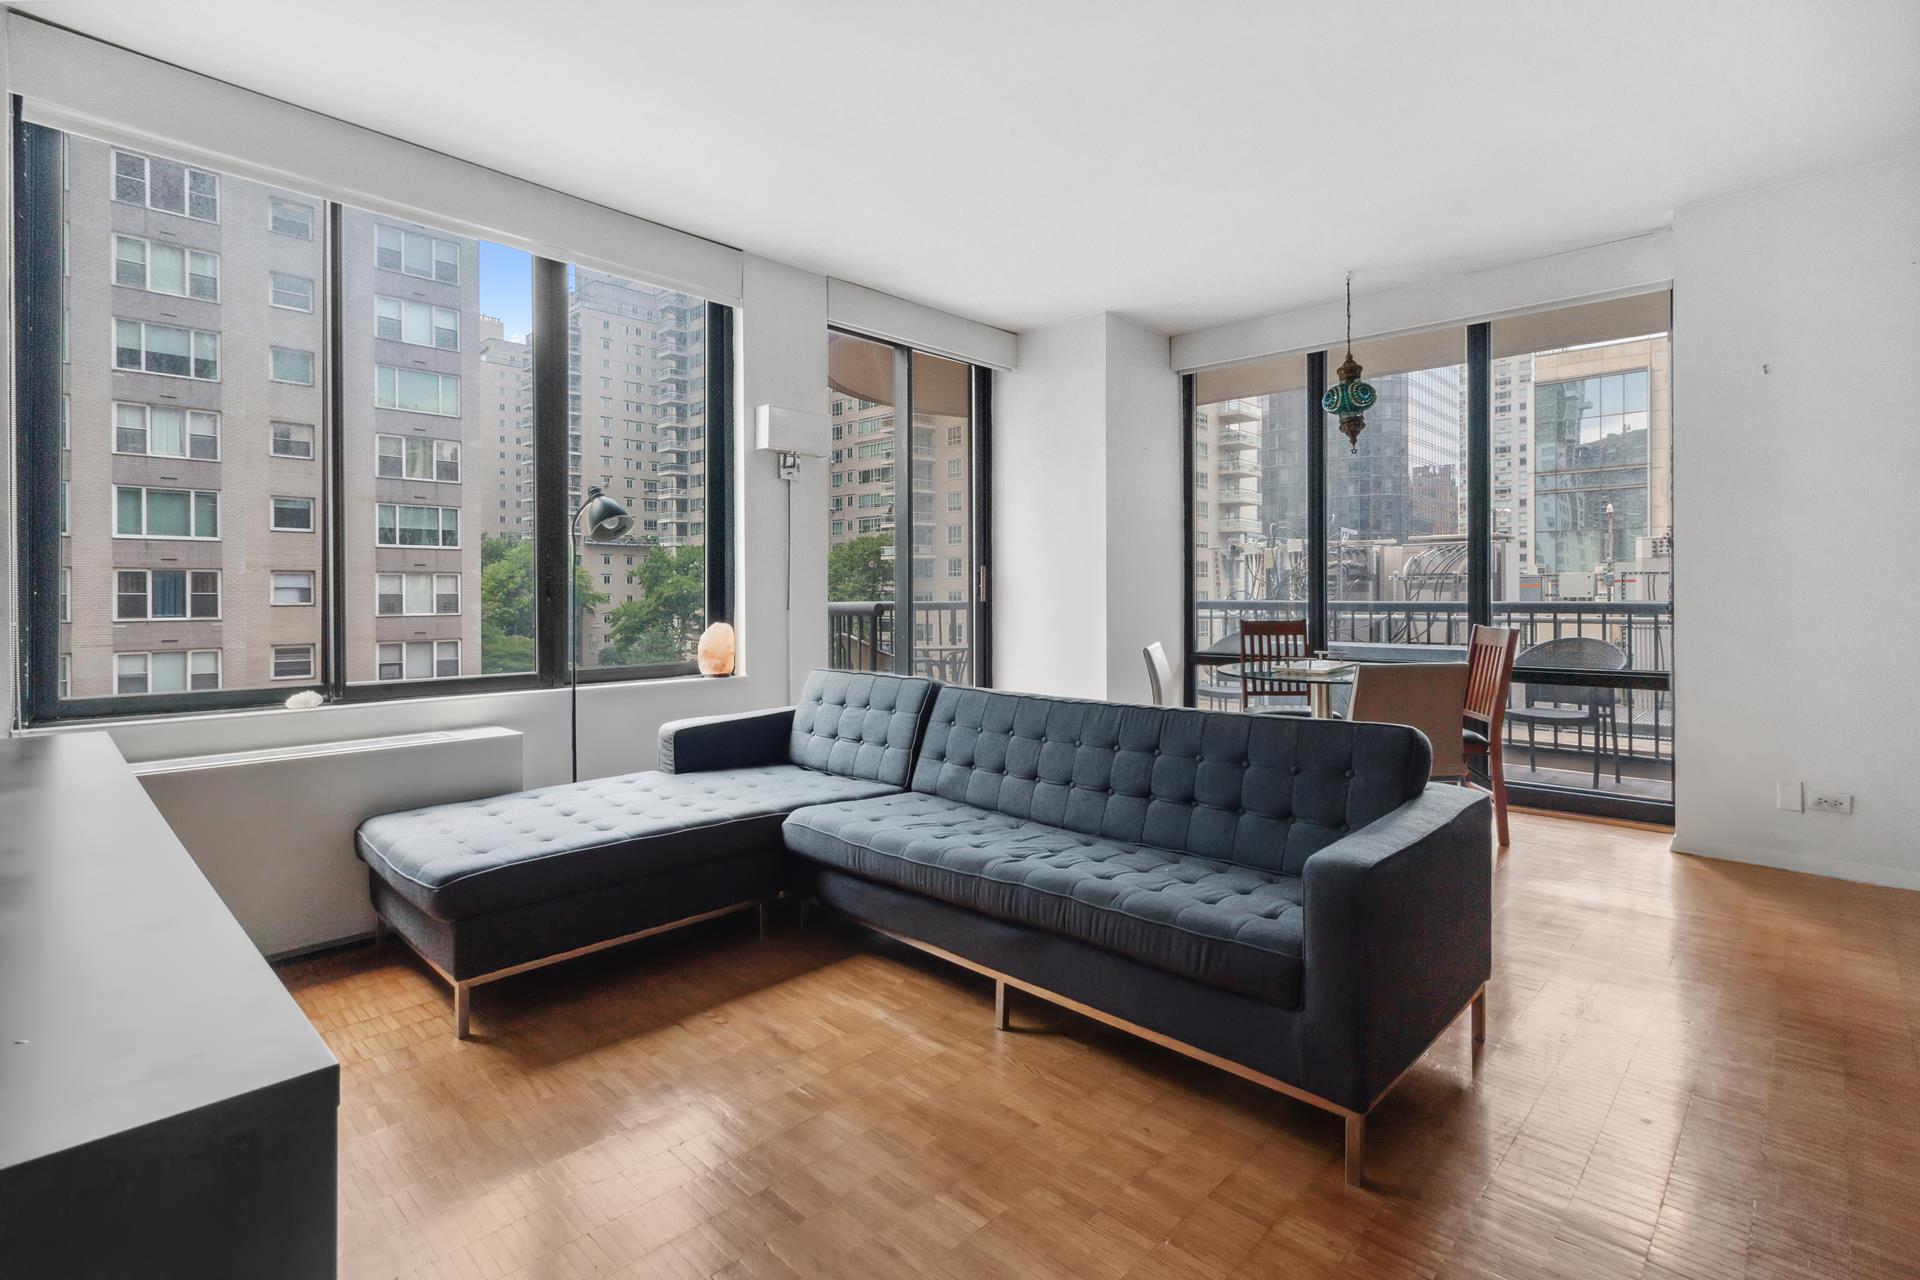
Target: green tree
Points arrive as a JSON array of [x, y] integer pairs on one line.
[[664, 624], [507, 604], [860, 570]]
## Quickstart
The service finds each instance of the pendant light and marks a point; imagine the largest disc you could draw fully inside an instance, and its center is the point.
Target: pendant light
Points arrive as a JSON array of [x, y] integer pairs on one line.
[[1349, 399]]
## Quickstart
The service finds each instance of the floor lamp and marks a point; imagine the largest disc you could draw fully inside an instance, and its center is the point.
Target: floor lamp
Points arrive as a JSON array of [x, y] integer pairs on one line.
[[606, 520]]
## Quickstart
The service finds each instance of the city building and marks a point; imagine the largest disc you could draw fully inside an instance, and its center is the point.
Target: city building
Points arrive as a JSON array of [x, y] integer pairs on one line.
[[1602, 461], [194, 470]]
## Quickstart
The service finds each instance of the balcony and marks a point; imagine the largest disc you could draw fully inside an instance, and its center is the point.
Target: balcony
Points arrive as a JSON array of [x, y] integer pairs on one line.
[[1559, 756], [1239, 465], [1236, 524], [1235, 438], [1237, 497], [1236, 411], [860, 637]]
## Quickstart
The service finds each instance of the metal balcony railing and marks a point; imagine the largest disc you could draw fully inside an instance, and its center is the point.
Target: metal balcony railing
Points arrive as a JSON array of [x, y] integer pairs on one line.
[[1438, 630], [860, 637]]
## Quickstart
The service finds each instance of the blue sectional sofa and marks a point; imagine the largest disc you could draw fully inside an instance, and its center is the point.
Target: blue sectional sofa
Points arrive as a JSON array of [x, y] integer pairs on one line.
[[1284, 898]]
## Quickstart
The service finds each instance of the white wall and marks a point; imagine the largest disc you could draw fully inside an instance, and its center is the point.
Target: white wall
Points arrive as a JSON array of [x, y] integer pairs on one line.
[[1049, 513], [1086, 501], [1797, 522], [1145, 557]]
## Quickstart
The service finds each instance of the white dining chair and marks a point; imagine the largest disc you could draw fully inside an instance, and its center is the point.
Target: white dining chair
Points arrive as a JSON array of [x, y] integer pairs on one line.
[[1159, 674]]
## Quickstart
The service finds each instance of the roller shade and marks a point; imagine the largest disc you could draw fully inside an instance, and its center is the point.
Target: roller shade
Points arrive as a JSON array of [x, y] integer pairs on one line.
[[79, 85], [1546, 330], [863, 369]]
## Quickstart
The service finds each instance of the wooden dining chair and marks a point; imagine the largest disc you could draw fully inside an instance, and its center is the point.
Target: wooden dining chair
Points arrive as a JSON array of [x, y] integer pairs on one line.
[[1426, 695], [1159, 674], [1489, 675], [1263, 641]]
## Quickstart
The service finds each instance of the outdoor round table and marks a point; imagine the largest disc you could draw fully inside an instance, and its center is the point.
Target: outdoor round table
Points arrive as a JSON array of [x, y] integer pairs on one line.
[[1318, 674]]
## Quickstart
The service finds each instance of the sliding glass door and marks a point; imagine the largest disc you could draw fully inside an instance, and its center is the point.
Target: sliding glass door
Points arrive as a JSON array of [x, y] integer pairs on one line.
[[1516, 473], [905, 562]]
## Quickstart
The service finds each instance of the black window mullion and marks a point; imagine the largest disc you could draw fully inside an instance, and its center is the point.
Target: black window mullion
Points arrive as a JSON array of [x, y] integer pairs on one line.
[[333, 647], [37, 284], [903, 510], [1318, 633], [552, 550], [982, 434], [719, 463], [1190, 602], [1479, 474]]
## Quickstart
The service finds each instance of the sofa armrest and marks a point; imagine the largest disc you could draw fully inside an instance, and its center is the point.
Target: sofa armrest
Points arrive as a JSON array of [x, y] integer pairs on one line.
[[1398, 937], [738, 741]]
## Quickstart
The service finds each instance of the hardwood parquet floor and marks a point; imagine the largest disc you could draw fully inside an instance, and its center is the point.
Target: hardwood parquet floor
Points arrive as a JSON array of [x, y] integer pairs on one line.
[[1693, 1069]]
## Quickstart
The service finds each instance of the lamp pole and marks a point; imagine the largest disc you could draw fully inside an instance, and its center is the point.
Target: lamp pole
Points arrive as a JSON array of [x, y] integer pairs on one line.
[[606, 519]]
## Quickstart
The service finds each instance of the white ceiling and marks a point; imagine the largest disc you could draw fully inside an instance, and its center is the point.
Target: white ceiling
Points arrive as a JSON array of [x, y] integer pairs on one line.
[[1027, 161]]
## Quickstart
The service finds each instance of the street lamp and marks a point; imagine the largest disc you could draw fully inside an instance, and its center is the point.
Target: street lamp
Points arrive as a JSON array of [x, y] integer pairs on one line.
[[606, 520]]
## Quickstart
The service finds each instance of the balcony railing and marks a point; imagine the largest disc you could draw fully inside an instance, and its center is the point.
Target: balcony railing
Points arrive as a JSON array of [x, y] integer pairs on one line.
[[860, 637], [1413, 630]]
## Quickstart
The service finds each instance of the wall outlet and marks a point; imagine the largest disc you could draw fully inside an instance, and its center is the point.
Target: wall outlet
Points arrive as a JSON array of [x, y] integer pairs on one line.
[[1786, 795], [1830, 802]]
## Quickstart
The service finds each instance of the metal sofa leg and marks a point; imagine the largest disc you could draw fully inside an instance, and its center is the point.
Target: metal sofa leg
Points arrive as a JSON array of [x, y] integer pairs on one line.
[[1479, 1024], [1356, 1145], [760, 911], [379, 931], [462, 1006], [1002, 1016]]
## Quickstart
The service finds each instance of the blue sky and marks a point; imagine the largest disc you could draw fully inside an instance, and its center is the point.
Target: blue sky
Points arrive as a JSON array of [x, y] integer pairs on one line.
[[506, 287]]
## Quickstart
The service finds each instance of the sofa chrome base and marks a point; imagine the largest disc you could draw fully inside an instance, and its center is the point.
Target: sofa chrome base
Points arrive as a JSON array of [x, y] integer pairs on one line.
[[463, 987], [1356, 1121]]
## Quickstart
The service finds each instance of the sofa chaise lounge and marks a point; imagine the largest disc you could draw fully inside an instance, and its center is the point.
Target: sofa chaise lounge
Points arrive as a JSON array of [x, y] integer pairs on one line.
[[1285, 899]]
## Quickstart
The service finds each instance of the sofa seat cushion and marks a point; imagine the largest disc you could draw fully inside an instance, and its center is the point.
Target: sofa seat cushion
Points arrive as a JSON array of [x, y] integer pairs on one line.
[[1216, 922], [454, 861]]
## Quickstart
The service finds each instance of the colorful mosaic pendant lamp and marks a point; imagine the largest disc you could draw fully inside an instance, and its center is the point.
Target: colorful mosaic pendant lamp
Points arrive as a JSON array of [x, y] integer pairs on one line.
[[1349, 399]]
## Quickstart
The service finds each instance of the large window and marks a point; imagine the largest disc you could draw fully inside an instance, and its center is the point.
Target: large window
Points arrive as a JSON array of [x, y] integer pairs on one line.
[[1575, 529], [889, 542], [641, 364], [1580, 507], [1248, 535], [348, 416]]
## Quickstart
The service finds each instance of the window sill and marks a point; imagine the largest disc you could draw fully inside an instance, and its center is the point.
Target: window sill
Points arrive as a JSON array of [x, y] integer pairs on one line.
[[259, 715]]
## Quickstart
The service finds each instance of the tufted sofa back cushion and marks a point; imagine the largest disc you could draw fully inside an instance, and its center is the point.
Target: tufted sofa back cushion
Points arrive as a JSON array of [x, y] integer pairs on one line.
[[860, 725], [1261, 791]]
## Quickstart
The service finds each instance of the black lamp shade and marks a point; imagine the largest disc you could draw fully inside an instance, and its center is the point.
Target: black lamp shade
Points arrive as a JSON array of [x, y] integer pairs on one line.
[[606, 518]]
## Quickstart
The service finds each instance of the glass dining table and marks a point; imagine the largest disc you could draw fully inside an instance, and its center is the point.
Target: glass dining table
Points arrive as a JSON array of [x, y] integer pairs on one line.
[[1319, 675]]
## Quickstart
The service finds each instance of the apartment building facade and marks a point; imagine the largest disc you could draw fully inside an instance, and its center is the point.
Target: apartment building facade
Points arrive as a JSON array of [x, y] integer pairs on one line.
[[194, 441]]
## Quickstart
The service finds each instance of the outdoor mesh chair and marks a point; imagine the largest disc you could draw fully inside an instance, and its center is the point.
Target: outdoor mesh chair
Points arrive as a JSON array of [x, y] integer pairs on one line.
[[1579, 707]]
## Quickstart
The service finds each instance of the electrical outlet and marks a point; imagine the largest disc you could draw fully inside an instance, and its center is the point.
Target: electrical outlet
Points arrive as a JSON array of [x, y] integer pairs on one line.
[[1830, 802], [1786, 796]]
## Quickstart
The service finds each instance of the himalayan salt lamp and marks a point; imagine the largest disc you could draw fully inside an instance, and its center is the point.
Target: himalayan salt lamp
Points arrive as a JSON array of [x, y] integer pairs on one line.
[[715, 654]]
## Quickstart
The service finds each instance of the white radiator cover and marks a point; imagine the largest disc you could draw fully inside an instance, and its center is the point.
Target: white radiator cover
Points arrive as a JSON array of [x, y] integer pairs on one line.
[[273, 830]]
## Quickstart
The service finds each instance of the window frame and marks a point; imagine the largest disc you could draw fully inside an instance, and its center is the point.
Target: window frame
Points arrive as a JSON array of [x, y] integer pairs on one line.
[[187, 255], [192, 334], [44, 665], [1478, 399], [193, 514], [146, 185], [187, 593], [312, 440], [313, 366], [219, 672], [273, 512], [273, 589], [274, 291], [187, 433], [436, 446]]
